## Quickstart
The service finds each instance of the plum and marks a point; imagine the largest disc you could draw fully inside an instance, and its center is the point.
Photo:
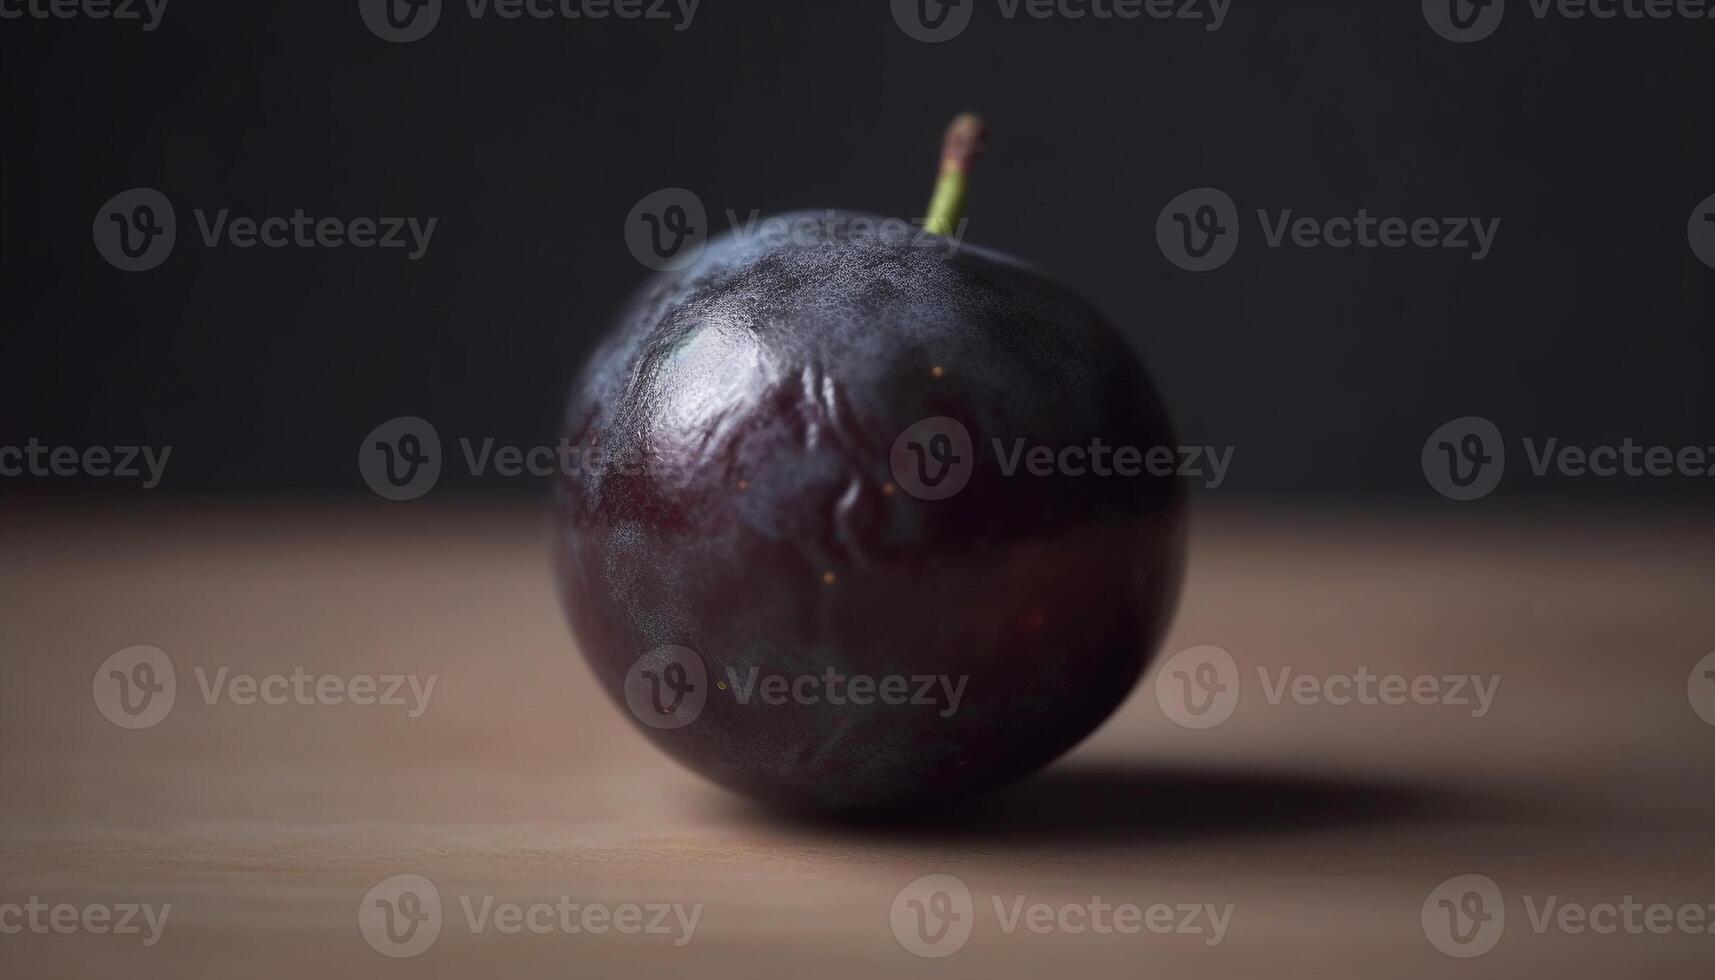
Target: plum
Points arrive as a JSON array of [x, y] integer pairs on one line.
[[825, 544]]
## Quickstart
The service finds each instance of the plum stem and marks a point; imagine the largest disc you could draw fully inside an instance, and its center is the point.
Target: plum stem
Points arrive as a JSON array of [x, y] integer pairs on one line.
[[966, 136]]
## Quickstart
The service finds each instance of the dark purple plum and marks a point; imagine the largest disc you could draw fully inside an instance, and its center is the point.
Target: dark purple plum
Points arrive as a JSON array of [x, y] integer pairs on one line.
[[740, 506]]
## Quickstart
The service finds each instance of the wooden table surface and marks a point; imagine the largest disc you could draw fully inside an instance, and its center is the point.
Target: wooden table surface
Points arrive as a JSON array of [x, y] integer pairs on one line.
[[1325, 828]]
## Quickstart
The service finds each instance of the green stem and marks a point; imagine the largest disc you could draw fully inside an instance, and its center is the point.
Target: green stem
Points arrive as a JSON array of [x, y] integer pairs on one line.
[[964, 142], [948, 204]]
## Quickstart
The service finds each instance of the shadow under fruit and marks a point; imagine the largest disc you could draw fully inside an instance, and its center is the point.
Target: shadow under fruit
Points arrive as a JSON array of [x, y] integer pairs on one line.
[[815, 549]]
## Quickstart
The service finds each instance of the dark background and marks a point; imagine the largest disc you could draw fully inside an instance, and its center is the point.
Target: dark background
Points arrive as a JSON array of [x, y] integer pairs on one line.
[[531, 141]]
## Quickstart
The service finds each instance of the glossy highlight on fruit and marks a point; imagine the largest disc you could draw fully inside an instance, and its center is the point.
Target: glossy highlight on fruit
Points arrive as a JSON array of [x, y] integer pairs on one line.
[[768, 434]]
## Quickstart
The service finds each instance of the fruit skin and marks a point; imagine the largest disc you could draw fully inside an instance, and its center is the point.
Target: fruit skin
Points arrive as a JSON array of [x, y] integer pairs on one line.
[[743, 413]]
